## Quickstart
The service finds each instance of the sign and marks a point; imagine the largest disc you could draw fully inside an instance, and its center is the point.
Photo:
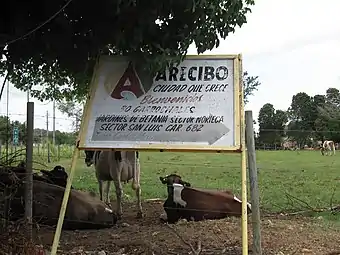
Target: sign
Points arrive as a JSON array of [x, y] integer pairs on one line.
[[15, 136], [194, 106]]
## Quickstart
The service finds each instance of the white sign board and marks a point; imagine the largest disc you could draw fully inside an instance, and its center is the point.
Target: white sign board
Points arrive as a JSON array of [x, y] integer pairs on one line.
[[194, 106]]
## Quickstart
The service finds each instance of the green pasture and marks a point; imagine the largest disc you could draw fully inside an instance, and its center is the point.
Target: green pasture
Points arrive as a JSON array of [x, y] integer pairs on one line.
[[288, 180]]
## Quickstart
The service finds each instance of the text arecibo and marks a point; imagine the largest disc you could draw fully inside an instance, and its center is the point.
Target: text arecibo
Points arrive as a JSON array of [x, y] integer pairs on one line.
[[194, 73]]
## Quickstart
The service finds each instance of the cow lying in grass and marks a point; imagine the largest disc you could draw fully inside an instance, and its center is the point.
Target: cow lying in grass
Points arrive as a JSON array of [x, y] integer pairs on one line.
[[84, 211], [185, 202]]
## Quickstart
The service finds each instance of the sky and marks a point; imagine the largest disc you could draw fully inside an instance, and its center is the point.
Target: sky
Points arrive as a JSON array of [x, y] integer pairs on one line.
[[293, 46]]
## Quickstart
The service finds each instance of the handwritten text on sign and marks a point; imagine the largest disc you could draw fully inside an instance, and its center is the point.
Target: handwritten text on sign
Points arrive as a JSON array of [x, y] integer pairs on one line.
[[191, 103]]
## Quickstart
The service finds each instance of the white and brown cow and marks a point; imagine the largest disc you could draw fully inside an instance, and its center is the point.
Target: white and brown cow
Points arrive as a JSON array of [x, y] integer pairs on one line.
[[327, 148], [185, 202]]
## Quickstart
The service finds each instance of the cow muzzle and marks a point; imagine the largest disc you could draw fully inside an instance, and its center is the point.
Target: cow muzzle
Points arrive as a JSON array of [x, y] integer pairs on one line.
[[88, 163], [114, 216]]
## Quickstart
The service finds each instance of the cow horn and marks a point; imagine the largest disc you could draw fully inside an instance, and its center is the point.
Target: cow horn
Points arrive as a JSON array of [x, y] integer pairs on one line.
[[108, 210]]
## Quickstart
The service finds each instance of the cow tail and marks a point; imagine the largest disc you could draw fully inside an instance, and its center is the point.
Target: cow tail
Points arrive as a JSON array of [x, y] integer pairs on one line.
[[136, 172]]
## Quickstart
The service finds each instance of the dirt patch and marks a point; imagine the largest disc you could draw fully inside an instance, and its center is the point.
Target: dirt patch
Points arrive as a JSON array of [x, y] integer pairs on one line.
[[280, 235]]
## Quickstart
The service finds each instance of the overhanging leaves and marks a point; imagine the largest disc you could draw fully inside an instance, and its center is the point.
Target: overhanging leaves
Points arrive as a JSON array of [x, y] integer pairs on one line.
[[61, 54]]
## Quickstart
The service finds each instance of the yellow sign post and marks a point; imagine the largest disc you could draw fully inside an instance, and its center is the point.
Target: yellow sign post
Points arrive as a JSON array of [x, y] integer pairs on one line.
[[243, 167], [64, 203], [196, 106]]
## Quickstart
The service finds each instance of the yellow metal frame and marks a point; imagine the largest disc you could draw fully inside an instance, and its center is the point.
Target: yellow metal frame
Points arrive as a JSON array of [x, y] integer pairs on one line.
[[243, 165], [168, 147]]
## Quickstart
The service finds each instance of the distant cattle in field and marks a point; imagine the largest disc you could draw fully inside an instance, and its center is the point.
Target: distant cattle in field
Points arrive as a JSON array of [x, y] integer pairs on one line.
[[327, 148], [84, 211], [119, 167], [185, 202]]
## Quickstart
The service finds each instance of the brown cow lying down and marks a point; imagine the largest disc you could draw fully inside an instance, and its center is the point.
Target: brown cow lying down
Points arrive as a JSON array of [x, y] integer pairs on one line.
[[184, 202], [84, 211]]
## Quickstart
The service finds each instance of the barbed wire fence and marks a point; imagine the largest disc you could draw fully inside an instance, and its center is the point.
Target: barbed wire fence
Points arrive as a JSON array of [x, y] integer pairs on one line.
[[46, 149]]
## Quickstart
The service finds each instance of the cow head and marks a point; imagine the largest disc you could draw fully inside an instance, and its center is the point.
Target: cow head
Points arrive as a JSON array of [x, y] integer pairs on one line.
[[173, 178], [89, 157], [102, 215], [238, 205], [58, 175], [105, 216]]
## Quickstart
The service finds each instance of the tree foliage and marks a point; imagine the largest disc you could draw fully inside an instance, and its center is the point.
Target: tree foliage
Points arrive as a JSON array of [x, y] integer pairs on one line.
[[250, 85], [6, 134], [61, 54], [310, 119], [272, 123], [73, 110]]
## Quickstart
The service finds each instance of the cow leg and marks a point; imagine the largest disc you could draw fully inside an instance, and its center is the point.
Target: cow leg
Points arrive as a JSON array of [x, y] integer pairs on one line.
[[108, 192], [119, 194], [100, 185]]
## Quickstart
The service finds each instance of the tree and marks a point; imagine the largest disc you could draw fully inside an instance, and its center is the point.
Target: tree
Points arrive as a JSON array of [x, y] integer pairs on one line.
[[250, 85], [73, 110], [315, 117], [5, 129], [60, 55], [271, 125], [331, 108], [301, 118], [329, 115], [319, 124], [38, 134]]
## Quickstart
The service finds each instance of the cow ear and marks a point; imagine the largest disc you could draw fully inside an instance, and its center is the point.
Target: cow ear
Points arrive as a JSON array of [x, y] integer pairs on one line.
[[187, 184], [163, 180]]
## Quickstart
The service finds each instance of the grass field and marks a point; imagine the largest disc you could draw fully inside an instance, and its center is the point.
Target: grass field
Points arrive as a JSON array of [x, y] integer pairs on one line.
[[288, 180]]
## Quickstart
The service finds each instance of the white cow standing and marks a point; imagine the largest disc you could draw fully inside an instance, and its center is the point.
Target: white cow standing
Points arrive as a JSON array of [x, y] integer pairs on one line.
[[327, 148], [119, 167]]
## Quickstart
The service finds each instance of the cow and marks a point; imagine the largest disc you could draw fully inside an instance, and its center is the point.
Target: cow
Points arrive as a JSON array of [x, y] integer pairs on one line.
[[119, 167], [84, 211], [57, 176], [185, 202], [327, 148]]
